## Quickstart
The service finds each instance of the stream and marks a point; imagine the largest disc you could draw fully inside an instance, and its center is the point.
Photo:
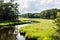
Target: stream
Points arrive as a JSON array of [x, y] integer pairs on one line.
[[12, 33], [17, 27]]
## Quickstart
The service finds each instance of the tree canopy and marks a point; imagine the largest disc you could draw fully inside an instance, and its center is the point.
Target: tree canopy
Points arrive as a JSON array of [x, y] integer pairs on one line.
[[7, 11]]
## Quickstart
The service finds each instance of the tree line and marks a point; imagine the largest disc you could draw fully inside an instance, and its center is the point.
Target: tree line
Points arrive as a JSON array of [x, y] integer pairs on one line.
[[46, 14]]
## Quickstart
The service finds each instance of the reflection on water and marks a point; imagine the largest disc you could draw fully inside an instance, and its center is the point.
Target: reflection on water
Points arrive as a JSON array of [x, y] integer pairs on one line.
[[11, 33], [7, 34], [19, 37]]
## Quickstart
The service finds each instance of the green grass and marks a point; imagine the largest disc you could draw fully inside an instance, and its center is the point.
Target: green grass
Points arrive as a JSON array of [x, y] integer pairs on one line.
[[6, 24], [40, 31]]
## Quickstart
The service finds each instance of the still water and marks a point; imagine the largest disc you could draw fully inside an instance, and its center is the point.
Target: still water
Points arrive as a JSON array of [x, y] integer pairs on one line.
[[19, 37], [11, 33]]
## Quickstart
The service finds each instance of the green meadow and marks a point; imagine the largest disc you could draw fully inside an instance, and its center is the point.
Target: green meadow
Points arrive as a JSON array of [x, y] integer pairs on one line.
[[44, 30]]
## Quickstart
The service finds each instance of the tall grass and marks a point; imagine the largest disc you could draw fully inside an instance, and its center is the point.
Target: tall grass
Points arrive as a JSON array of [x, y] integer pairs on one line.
[[44, 30]]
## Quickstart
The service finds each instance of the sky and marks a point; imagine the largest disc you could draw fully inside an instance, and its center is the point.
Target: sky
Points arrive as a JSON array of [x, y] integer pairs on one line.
[[29, 6]]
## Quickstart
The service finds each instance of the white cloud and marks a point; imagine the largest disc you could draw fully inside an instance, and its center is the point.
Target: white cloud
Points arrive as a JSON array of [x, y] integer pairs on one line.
[[6, 0], [23, 3], [57, 1], [42, 2]]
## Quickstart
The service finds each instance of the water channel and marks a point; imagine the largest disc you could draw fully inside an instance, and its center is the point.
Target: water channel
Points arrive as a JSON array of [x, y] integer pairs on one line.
[[19, 37], [12, 33]]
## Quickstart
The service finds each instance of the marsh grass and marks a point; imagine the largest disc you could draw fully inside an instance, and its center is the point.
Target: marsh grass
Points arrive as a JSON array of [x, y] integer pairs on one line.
[[40, 31]]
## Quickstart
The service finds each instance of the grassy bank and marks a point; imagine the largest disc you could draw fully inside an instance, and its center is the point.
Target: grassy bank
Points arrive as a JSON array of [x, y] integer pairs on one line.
[[44, 30], [5, 24]]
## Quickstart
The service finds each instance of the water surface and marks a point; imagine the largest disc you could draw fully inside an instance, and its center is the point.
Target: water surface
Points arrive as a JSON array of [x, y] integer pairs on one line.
[[11, 33], [17, 27]]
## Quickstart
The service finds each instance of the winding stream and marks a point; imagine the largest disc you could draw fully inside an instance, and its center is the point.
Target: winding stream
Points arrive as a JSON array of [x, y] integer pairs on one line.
[[11, 33], [19, 37]]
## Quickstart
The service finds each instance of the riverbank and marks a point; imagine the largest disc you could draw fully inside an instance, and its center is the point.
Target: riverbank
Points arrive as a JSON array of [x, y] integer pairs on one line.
[[19, 22], [5, 24], [44, 30]]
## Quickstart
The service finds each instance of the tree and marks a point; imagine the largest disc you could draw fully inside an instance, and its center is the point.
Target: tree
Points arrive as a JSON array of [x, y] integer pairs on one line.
[[7, 11], [58, 24], [58, 19]]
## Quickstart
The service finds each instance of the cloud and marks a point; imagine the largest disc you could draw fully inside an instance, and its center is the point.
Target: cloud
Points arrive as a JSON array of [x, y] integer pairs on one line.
[[37, 5], [6, 0], [23, 3], [42, 2], [57, 1]]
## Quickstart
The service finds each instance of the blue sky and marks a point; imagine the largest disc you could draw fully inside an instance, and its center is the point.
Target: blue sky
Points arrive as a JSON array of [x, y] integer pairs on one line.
[[37, 5]]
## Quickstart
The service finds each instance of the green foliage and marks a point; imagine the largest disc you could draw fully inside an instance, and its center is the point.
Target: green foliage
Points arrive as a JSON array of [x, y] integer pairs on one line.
[[7, 11], [58, 14], [58, 19]]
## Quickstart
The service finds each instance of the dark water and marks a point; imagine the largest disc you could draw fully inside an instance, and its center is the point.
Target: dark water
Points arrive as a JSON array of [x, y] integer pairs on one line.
[[11, 33], [7, 34]]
